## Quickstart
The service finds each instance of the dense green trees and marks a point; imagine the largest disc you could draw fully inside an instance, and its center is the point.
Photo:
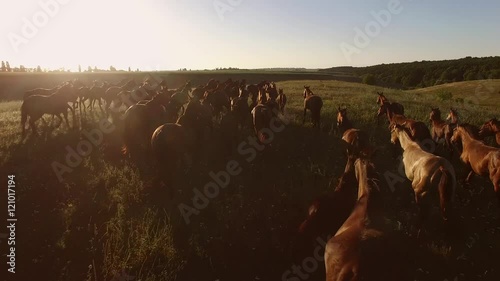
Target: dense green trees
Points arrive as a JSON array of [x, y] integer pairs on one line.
[[428, 73]]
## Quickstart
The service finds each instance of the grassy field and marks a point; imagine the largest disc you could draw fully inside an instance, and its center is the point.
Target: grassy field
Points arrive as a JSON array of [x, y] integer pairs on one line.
[[109, 218]]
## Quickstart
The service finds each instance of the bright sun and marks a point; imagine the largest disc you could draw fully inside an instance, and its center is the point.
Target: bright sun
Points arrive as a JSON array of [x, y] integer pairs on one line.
[[68, 33]]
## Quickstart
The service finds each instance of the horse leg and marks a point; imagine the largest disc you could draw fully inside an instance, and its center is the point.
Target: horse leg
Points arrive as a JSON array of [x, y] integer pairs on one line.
[[469, 176], [65, 114], [304, 119], [33, 125], [423, 206]]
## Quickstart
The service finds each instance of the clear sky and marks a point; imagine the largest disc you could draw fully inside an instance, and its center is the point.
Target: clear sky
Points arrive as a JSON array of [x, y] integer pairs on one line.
[[193, 34]]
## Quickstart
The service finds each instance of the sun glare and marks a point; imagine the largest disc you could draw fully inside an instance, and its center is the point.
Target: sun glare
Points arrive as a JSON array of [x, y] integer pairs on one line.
[[96, 33]]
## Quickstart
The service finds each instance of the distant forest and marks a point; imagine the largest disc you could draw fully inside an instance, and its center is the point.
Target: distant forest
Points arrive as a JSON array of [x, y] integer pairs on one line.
[[425, 73]]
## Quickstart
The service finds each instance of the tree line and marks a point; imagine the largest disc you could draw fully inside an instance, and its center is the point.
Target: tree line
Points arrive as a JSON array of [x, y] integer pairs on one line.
[[5, 67], [421, 74]]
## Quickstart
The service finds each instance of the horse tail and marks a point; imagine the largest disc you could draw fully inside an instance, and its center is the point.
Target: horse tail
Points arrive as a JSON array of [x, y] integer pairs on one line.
[[446, 191]]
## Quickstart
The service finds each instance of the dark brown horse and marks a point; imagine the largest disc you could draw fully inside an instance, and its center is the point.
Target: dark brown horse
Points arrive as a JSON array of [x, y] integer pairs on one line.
[[262, 115], [385, 103], [418, 131], [395, 108], [314, 104], [169, 144], [281, 100], [241, 110], [491, 128], [361, 248], [478, 158], [218, 100], [140, 121], [34, 107], [171, 141]]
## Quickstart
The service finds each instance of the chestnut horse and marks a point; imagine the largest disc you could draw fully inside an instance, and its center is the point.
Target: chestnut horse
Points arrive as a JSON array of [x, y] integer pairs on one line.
[[479, 158], [361, 247], [357, 141], [453, 117], [440, 129], [428, 173], [314, 104], [491, 128]]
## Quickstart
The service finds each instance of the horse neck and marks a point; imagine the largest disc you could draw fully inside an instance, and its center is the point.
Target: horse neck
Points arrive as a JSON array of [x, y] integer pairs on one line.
[[466, 138], [436, 119], [363, 186], [453, 119], [404, 139], [389, 113]]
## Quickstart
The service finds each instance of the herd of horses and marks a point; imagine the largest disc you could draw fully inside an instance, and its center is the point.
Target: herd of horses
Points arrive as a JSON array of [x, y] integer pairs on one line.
[[172, 123], [358, 233]]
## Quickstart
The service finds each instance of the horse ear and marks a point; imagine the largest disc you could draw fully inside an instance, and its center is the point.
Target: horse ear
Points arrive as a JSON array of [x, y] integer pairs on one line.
[[338, 109]]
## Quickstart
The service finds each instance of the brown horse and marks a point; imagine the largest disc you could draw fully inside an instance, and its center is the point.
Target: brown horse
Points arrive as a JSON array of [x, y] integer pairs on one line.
[[479, 158], [96, 94], [281, 100], [182, 96], [241, 110], [440, 129], [218, 100], [140, 121], [171, 141], [34, 107], [395, 108], [418, 131], [364, 244], [427, 172], [328, 212], [491, 128], [343, 122], [262, 115], [385, 103], [112, 93], [314, 104], [453, 116], [169, 144]]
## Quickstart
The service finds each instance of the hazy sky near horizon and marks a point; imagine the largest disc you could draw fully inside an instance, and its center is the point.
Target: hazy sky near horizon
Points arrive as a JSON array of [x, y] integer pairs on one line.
[[193, 34]]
